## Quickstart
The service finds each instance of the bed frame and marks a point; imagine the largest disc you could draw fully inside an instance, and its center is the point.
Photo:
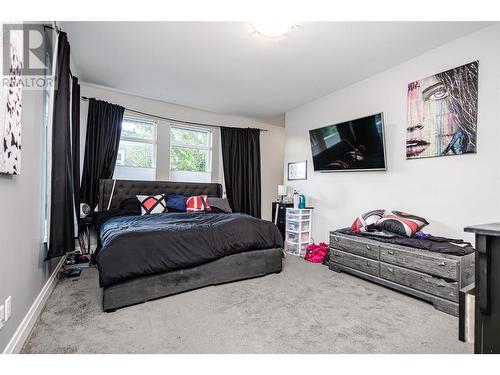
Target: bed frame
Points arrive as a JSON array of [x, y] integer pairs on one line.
[[246, 265]]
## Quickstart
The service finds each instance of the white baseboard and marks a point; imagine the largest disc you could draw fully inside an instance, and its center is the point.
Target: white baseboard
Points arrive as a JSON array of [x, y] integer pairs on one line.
[[19, 338]]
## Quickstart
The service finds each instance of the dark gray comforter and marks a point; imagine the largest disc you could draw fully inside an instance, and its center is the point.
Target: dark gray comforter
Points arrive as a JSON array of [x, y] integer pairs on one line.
[[132, 246]]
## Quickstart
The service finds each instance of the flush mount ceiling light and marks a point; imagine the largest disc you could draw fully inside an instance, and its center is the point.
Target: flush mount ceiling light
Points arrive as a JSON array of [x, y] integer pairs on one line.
[[273, 29]]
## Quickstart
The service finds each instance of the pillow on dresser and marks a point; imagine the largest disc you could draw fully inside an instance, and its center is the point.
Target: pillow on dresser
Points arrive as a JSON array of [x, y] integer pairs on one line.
[[152, 204], [367, 221], [219, 205], [176, 202], [197, 203], [401, 223]]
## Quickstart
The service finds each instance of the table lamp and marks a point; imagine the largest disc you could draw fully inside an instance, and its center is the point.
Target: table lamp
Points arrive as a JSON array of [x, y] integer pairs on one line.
[[282, 191]]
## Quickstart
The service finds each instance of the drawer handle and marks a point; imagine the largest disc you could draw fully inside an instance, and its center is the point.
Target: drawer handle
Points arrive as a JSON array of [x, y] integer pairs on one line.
[[368, 247], [368, 264], [442, 264], [390, 252], [390, 269], [336, 239]]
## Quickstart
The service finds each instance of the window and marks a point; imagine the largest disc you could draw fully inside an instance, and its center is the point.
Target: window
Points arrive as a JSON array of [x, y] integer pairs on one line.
[[190, 154], [48, 97], [136, 158]]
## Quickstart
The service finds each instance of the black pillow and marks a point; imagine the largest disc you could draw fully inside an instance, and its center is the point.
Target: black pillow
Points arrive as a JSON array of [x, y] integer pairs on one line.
[[219, 205], [131, 204]]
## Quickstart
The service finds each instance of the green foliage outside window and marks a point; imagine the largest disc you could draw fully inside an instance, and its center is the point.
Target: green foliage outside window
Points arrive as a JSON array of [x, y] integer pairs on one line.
[[137, 129], [189, 137], [189, 149], [135, 154], [188, 158], [135, 149]]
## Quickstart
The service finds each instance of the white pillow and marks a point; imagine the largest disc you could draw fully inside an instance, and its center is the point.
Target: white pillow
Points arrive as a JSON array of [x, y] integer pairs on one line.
[[152, 204]]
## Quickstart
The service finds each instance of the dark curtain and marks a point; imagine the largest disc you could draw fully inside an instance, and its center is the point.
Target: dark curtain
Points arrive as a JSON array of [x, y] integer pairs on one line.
[[241, 159], [61, 232], [104, 126], [75, 142]]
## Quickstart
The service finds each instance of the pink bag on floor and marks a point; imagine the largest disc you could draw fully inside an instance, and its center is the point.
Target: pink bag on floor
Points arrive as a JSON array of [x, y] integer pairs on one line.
[[316, 253]]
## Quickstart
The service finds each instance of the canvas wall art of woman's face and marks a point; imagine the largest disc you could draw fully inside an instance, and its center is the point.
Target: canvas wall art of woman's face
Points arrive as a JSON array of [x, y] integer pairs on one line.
[[442, 113]]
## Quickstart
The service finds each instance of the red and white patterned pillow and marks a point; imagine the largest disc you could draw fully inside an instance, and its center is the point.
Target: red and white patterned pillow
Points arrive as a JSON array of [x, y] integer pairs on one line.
[[402, 223], [152, 204], [197, 203], [366, 221]]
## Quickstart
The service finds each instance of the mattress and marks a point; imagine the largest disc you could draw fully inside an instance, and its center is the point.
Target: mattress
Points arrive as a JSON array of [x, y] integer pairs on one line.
[[132, 245]]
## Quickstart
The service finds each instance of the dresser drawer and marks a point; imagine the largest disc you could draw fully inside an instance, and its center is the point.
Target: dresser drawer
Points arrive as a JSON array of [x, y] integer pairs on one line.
[[420, 281], [354, 246], [442, 265], [281, 212], [353, 261]]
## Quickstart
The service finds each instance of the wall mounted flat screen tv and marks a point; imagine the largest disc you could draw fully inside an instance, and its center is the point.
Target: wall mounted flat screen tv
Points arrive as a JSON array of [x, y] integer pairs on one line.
[[355, 145]]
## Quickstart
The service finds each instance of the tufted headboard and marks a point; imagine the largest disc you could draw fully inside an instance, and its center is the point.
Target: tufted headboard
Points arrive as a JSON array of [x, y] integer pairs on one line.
[[124, 189]]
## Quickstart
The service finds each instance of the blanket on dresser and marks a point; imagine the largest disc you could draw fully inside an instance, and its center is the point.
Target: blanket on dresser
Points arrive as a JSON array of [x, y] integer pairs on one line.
[[429, 242]]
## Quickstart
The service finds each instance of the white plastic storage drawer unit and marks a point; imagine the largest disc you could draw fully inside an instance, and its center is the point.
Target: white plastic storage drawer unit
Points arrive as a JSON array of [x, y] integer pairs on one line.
[[298, 230]]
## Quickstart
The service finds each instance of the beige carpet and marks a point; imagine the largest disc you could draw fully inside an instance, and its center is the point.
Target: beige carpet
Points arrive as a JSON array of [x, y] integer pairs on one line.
[[304, 309]]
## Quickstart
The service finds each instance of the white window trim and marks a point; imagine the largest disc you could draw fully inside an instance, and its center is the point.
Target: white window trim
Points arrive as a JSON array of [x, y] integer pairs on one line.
[[175, 144], [48, 151], [153, 141]]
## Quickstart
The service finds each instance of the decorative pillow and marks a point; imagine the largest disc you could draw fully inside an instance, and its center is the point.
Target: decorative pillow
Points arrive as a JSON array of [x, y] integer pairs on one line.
[[401, 223], [219, 205], [131, 204], [152, 204], [367, 221], [176, 202], [197, 203]]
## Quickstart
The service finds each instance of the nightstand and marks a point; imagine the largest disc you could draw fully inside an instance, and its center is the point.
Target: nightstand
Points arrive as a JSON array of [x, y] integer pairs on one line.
[[279, 216], [86, 224]]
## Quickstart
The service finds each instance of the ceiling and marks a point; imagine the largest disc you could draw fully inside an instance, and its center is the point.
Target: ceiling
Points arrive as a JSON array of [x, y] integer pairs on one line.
[[226, 67]]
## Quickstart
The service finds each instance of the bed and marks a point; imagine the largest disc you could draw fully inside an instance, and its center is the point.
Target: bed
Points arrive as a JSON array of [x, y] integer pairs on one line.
[[141, 258]]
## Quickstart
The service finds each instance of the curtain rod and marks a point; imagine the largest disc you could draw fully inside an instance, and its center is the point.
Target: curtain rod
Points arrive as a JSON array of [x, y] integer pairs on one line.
[[171, 119]]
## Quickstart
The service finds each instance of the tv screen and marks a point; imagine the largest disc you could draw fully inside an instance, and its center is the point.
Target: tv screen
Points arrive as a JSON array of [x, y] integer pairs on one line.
[[351, 145]]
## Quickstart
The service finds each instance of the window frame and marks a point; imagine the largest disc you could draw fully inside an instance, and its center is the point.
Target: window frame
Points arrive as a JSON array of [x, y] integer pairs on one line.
[[153, 141], [208, 149]]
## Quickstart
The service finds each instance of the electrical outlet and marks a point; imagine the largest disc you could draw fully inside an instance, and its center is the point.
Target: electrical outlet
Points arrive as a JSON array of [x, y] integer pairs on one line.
[[8, 308], [2, 315]]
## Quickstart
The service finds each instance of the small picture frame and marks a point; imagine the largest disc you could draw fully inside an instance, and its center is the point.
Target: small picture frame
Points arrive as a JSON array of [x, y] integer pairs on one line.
[[297, 170]]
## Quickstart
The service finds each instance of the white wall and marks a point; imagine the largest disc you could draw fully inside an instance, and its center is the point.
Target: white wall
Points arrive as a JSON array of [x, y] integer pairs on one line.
[[451, 192], [271, 141], [23, 272]]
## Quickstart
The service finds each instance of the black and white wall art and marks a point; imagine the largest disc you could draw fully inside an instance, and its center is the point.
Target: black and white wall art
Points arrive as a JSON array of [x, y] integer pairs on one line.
[[297, 170], [11, 105]]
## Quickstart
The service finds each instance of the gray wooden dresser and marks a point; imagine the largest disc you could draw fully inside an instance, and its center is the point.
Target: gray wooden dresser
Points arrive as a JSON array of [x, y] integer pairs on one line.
[[428, 275]]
